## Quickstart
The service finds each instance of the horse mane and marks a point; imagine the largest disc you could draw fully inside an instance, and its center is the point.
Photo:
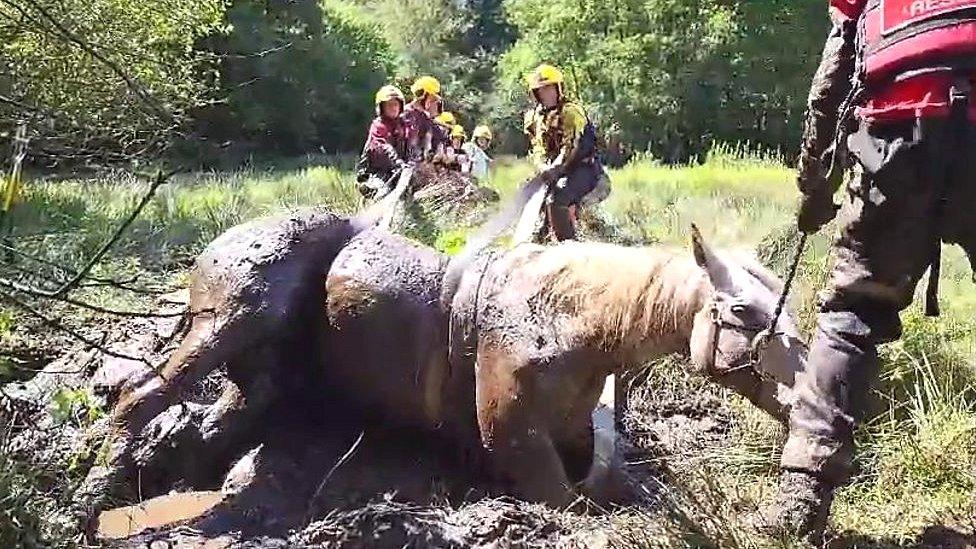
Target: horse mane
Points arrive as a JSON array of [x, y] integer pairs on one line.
[[481, 240], [622, 295]]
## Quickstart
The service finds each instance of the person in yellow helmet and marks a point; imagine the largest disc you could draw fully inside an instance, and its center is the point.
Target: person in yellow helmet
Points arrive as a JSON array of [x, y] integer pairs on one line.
[[443, 124], [385, 151], [458, 137], [460, 161], [422, 137], [450, 153], [446, 119], [476, 150], [563, 147]]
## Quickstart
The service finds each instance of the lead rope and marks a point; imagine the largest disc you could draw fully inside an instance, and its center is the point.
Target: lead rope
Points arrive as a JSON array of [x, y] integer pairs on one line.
[[762, 339]]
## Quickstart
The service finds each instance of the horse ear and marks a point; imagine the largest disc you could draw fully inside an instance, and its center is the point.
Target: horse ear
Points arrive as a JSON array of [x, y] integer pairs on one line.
[[712, 264], [698, 247]]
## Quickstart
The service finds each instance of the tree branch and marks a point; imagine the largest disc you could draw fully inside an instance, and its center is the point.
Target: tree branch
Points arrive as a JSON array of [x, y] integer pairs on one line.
[[57, 325], [130, 81]]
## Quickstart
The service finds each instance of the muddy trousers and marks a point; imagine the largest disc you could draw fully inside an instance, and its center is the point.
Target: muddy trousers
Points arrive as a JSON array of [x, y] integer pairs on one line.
[[588, 183], [892, 220]]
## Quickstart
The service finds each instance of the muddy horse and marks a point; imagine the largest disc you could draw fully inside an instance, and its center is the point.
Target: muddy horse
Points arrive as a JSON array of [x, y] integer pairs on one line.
[[543, 326]]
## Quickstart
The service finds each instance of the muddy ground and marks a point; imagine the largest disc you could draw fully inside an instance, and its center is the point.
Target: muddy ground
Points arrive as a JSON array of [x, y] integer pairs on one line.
[[313, 483]]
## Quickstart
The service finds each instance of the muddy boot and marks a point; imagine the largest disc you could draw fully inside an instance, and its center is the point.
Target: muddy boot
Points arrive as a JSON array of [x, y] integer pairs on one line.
[[800, 509], [560, 222]]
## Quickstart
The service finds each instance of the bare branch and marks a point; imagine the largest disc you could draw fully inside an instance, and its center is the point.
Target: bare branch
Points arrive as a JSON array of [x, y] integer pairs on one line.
[[95, 281], [130, 81], [57, 325]]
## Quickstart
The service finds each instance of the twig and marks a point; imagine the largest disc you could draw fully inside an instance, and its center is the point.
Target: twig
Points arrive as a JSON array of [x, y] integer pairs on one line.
[[73, 333], [129, 80], [313, 503], [82, 274], [96, 281], [159, 181], [23, 288]]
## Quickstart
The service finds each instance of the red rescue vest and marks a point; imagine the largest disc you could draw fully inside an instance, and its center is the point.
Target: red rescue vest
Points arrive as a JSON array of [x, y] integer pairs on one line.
[[904, 35]]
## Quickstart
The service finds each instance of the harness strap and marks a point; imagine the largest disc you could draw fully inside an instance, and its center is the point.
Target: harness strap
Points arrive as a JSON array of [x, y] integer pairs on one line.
[[958, 126]]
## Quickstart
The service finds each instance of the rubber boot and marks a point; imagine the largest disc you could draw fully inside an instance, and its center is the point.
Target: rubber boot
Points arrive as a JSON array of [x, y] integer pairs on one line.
[[560, 222], [830, 398], [801, 508]]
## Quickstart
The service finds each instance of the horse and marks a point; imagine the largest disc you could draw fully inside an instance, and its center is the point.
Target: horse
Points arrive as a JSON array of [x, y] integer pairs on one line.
[[383, 317], [254, 297], [543, 326]]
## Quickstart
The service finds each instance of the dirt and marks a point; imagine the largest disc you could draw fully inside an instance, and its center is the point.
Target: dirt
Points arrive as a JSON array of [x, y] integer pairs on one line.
[[336, 482]]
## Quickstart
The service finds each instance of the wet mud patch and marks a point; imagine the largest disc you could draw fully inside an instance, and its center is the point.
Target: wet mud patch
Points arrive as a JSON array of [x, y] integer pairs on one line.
[[302, 474], [673, 415]]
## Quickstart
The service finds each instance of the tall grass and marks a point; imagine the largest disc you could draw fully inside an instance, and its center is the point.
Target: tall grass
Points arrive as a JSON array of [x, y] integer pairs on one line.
[[916, 452]]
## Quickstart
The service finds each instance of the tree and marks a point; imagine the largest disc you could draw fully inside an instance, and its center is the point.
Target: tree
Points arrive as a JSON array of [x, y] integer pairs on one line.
[[456, 42], [675, 75], [295, 76], [102, 78]]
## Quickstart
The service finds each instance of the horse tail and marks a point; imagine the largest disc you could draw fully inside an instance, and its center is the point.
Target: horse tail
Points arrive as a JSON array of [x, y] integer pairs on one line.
[[491, 230]]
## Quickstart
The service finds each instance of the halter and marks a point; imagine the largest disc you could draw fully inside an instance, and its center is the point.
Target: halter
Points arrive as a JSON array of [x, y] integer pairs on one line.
[[763, 334]]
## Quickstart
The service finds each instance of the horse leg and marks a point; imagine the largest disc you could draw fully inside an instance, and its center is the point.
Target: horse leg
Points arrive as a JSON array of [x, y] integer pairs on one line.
[[526, 460], [576, 448], [519, 447], [206, 346], [236, 419]]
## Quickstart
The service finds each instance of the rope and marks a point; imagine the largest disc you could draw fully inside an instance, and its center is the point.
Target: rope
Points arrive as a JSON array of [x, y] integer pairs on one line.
[[477, 289], [763, 337], [790, 276]]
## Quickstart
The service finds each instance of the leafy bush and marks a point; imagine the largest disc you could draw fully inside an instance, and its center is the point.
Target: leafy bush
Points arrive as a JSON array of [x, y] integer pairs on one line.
[[296, 76], [56, 70], [674, 76]]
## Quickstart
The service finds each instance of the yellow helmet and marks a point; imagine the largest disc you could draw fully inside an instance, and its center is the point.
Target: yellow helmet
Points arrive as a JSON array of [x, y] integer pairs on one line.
[[481, 131], [458, 131], [445, 118], [544, 75], [387, 93], [426, 85]]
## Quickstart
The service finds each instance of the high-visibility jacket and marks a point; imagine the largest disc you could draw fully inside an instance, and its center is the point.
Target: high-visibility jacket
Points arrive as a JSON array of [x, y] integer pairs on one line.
[[554, 131]]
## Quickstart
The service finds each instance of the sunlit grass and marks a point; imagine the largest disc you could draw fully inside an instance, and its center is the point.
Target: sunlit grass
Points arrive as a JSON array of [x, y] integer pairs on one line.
[[916, 453]]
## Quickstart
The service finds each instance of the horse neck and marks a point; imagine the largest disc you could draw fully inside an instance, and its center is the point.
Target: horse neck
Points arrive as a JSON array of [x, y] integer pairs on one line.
[[681, 298]]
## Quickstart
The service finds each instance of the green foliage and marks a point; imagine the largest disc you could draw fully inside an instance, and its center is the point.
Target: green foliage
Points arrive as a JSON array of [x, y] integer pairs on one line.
[[66, 221], [451, 242], [674, 76], [228, 81], [295, 76], [75, 406], [75, 102], [458, 43]]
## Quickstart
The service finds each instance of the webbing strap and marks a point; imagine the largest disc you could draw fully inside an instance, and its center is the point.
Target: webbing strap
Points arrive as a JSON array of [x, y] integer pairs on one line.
[[959, 128]]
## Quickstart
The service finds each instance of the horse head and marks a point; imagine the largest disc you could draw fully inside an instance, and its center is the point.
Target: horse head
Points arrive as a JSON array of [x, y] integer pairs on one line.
[[733, 338]]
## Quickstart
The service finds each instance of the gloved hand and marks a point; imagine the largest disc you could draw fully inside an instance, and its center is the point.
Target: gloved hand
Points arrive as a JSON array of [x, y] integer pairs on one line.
[[551, 174], [816, 210]]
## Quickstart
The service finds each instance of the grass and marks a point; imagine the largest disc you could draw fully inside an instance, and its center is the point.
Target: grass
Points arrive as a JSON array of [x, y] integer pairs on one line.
[[916, 452]]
